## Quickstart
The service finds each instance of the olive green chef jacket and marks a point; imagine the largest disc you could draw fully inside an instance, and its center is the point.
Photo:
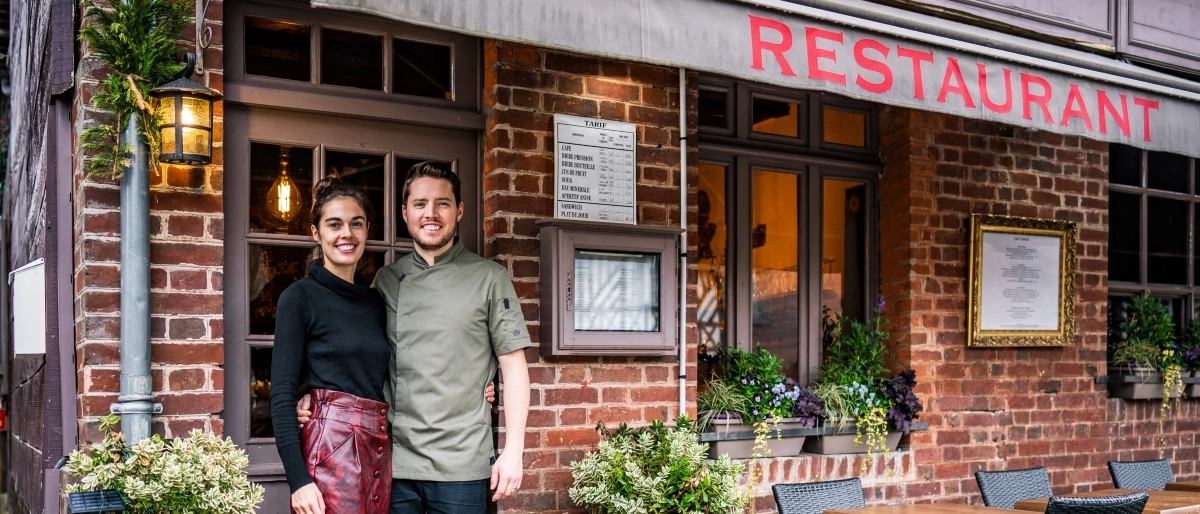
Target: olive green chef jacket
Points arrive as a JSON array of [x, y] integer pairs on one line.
[[447, 323]]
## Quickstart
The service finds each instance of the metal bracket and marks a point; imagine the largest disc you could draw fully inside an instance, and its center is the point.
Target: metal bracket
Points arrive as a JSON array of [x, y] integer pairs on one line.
[[203, 34], [117, 408]]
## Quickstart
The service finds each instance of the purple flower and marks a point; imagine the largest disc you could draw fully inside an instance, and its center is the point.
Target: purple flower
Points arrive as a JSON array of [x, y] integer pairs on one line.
[[880, 302]]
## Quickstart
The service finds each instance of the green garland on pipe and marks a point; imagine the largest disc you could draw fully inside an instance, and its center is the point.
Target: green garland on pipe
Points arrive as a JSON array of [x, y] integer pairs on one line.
[[137, 40]]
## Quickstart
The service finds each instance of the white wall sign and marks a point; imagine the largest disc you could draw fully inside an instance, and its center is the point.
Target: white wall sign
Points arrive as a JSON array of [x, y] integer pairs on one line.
[[1020, 282], [595, 165], [29, 308]]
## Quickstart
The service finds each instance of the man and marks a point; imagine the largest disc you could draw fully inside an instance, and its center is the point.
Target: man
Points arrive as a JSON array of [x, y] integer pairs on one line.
[[452, 316]]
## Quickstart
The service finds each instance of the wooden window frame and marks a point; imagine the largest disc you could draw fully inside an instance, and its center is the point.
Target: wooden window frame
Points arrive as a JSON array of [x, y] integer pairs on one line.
[[741, 152], [1189, 293], [247, 94]]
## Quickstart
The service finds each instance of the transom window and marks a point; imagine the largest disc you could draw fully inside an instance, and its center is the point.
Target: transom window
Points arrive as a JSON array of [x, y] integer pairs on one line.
[[786, 201], [1153, 202]]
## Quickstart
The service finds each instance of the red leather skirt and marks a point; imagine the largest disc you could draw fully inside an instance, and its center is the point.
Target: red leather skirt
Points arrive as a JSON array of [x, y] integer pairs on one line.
[[348, 454]]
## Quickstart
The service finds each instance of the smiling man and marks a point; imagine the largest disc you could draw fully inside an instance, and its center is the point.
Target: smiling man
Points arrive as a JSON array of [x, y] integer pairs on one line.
[[453, 317]]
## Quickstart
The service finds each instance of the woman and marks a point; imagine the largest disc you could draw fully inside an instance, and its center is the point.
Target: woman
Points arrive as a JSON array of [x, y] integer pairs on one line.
[[330, 334]]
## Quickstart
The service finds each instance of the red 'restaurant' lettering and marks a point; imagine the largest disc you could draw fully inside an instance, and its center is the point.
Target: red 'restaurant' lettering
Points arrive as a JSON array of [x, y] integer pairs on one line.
[[1070, 111], [815, 54], [1106, 107], [960, 86], [1146, 105], [757, 44], [983, 90], [868, 63], [917, 58], [1042, 100]]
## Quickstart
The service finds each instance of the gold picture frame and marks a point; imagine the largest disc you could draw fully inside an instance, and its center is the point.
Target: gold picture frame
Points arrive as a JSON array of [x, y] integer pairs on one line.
[[1021, 282]]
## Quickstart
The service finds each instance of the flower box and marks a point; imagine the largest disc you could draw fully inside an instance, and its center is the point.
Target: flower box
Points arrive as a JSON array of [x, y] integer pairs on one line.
[[744, 448], [1137, 383], [844, 443]]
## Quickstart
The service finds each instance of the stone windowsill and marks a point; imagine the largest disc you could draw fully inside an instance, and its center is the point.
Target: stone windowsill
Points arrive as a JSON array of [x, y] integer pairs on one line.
[[795, 432]]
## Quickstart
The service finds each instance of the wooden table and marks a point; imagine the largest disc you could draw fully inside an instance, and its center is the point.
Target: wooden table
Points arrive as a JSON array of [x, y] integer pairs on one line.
[[1161, 502], [1193, 486], [930, 508]]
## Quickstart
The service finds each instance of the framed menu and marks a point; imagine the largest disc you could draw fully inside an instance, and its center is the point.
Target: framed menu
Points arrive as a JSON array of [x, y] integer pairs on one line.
[[1021, 289], [616, 291]]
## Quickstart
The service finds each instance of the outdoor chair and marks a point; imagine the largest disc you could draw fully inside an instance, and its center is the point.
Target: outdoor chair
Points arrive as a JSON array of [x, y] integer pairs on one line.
[[1006, 488], [1144, 474], [817, 497], [1123, 504]]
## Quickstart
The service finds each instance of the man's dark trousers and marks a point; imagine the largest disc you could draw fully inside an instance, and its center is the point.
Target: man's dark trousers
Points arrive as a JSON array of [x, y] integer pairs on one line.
[[430, 497]]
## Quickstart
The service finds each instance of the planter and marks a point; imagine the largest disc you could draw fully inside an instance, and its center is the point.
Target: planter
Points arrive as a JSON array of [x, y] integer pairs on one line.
[[1136, 383], [744, 448], [844, 443]]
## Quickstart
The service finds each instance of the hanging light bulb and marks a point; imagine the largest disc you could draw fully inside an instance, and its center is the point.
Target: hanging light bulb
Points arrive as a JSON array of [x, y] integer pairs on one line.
[[284, 200]]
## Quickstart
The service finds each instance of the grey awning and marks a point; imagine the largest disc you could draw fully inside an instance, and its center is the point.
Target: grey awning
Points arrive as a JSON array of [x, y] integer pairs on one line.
[[802, 46]]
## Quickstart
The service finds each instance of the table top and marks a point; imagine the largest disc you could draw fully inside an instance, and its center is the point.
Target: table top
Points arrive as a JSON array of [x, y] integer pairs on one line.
[[926, 508], [1161, 502], [1192, 485]]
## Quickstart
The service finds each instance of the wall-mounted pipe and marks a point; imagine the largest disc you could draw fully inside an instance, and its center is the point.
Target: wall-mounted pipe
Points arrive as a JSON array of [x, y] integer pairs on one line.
[[136, 401], [683, 241]]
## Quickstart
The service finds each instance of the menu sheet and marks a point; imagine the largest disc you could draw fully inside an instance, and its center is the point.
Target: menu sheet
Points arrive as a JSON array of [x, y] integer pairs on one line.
[[595, 169], [616, 291], [1020, 282]]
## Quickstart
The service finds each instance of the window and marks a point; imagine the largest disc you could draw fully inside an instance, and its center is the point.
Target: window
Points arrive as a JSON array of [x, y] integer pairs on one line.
[[345, 54], [786, 221], [315, 96], [1152, 207]]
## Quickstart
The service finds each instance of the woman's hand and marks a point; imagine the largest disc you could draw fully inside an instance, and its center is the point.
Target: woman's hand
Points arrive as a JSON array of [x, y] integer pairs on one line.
[[307, 500], [489, 392]]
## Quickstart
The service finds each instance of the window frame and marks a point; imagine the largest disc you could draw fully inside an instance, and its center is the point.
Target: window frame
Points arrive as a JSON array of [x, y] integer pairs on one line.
[[1188, 293], [741, 152], [276, 111]]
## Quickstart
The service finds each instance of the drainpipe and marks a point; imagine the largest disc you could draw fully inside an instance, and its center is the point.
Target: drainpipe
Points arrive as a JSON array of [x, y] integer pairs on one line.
[[683, 244], [136, 401]]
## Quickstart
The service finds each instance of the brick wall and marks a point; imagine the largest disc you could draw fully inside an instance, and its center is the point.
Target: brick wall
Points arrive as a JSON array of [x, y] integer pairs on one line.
[[186, 233], [994, 409], [523, 87]]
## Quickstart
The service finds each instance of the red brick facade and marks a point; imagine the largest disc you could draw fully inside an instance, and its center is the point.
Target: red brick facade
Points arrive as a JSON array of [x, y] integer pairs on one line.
[[987, 409], [186, 234], [523, 87]]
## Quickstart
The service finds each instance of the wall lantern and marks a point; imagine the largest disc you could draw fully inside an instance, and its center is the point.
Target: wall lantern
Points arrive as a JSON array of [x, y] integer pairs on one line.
[[284, 199], [185, 108]]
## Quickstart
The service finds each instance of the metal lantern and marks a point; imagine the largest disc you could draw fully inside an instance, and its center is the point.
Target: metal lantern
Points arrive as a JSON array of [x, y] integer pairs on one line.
[[185, 109]]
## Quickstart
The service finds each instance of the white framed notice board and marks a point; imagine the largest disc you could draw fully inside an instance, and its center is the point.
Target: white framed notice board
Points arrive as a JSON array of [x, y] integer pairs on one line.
[[595, 170]]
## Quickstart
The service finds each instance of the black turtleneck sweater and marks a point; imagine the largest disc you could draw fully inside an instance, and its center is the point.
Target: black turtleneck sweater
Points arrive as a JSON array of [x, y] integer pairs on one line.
[[329, 334]]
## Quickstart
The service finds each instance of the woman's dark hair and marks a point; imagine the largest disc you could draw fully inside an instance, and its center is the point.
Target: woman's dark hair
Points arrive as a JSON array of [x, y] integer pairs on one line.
[[432, 170], [332, 187]]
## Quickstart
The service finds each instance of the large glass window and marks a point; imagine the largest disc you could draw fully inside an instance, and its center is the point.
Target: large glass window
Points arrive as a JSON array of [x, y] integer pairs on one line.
[[785, 221], [1152, 208]]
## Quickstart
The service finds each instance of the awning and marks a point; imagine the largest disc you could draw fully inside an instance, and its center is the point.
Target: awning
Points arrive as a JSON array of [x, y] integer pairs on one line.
[[790, 45]]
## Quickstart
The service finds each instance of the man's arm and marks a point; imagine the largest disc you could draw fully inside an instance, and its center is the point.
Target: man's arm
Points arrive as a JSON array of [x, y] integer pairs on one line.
[[509, 467]]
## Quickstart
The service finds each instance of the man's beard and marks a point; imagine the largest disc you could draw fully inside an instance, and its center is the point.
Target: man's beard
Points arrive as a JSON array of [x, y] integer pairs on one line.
[[429, 247]]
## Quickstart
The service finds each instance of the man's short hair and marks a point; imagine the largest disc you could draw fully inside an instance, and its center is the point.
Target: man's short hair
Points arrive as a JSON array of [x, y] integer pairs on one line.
[[432, 170]]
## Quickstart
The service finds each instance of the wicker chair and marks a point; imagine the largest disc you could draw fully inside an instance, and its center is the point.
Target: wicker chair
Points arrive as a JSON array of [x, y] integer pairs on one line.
[[1145, 474], [817, 497], [1006, 488], [1123, 504]]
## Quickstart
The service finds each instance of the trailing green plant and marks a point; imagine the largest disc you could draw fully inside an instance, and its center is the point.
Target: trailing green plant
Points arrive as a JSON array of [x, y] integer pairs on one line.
[[1149, 340], [870, 410], [201, 473], [656, 470], [719, 397], [137, 40]]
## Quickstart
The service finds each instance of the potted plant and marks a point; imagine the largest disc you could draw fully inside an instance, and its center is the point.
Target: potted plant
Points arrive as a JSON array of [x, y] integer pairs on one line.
[[754, 396], [656, 470], [201, 473], [1147, 362], [855, 393]]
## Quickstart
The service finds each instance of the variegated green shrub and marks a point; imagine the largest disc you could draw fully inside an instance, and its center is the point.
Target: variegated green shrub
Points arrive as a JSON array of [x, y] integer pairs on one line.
[[199, 474]]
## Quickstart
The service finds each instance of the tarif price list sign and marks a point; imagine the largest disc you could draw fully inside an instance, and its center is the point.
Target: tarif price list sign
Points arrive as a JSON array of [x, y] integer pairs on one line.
[[596, 169]]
